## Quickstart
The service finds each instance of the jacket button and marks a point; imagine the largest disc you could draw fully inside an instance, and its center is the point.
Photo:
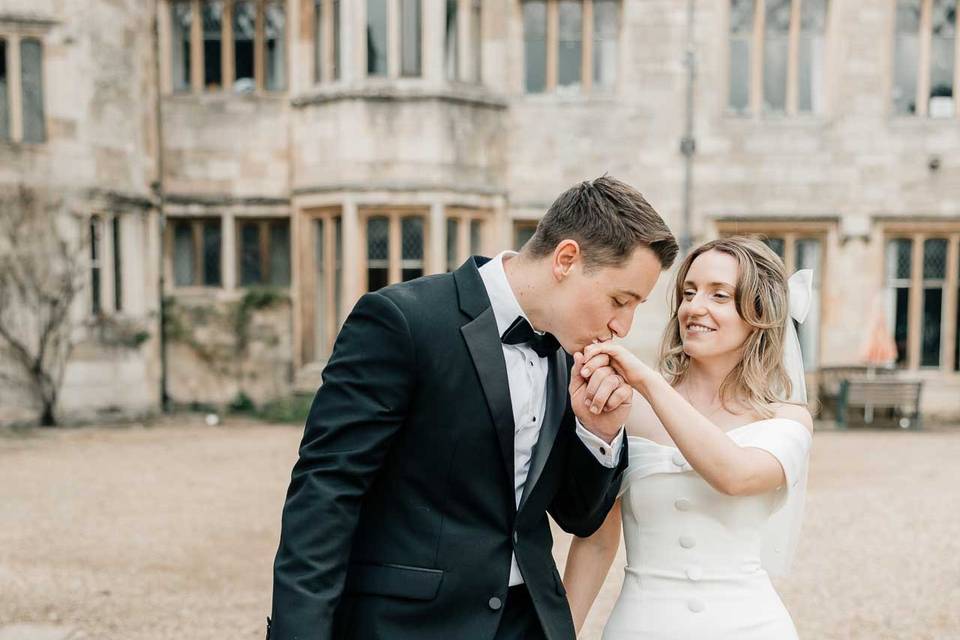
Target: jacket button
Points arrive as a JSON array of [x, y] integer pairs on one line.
[[495, 603]]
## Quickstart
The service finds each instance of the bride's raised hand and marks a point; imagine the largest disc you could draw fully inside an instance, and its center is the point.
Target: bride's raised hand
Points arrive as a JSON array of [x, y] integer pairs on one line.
[[633, 370]]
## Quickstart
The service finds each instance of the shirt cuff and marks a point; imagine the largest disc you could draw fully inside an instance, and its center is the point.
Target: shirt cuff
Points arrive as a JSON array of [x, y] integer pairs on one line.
[[606, 454]]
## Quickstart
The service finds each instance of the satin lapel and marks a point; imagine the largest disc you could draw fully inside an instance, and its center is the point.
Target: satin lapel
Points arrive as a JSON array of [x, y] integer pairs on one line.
[[557, 377], [483, 342]]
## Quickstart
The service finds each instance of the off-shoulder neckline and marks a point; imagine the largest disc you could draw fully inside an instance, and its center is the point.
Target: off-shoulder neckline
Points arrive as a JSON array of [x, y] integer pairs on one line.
[[729, 431]]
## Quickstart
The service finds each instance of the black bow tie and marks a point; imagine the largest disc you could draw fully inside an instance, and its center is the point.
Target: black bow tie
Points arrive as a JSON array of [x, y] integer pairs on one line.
[[520, 332]]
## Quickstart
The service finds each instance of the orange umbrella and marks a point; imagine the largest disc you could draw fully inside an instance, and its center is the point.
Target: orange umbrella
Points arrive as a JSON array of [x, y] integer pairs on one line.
[[879, 348]]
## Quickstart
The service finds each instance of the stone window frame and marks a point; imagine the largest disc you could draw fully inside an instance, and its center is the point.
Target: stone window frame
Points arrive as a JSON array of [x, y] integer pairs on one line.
[[333, 304], [755, 103], [265, 227], [918, 232], [468, 45], [329, 39], [394, 41], [104, 231], [13, 32], [465, 247], [522, 226], [197, 223], [395, 215], [586, 56], [227, 62], [923, 63], [790, 231]]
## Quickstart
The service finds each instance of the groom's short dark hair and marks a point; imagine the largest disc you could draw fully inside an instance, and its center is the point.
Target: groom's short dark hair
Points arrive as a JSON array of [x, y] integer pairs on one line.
[[608, 219]]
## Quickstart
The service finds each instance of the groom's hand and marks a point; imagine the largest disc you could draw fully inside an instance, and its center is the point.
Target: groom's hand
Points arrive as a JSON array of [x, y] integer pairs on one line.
[[601, 401]]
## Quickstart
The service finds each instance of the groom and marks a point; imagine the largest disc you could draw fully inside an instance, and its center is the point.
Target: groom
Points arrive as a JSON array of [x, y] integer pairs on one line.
[[449, 424]]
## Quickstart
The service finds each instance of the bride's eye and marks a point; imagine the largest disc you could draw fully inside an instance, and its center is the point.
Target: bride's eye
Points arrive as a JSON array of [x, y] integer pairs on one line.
[[689, 293]]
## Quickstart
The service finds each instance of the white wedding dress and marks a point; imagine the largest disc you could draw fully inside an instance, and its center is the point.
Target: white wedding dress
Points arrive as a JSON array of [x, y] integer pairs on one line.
[[698, 560]]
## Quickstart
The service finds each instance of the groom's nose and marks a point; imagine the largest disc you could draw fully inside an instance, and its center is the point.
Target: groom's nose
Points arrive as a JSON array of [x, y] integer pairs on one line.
[[619, 325]]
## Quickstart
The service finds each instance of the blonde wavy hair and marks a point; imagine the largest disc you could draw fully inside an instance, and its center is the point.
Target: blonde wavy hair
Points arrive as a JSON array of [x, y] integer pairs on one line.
[[759, 379]]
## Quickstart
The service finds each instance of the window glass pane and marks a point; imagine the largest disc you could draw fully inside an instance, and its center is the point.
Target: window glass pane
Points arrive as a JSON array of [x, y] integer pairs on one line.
[[569, 63], [376, 37], [956, 339], [535, 45], [410, 37], [95, 263], [378, 264], [901, 312], [250, 272], [183, 267], [211, 253], [906, 56], [336, 39], [932, 317], [741, 30], [275, 24], [453, 234], [810, 57], [476, 237], [212, 36], [117, 264], [31, 62], [942, 58], [4, 99], [244, 29], [280, 254], [318, 40], [411, 239], [899, 258], [605, 14], [934, 259], [898, 266], [451, 45], [337, 266], [776, 244], [522, 233], [775, 53], [320, 291], [182, 20], [476, 42]]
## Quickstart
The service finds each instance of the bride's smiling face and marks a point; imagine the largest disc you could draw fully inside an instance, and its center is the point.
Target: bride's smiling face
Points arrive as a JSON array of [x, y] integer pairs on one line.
[[710, 324], [599, 304]]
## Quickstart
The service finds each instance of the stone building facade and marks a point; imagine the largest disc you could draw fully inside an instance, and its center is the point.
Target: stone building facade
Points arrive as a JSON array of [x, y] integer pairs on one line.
[[248, 168]]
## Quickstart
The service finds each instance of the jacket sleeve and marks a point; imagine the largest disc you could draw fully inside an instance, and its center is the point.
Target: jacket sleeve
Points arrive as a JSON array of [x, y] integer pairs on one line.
[[588, 489], [359, 408]]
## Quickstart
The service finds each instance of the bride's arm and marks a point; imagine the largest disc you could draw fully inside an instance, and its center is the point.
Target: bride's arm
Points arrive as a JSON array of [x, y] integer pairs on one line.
[[588, 562], [728, 467]]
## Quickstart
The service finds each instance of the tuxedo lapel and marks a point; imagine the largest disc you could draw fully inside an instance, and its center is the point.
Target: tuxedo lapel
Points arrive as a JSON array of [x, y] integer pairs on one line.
[[483, 343], [557, 377]]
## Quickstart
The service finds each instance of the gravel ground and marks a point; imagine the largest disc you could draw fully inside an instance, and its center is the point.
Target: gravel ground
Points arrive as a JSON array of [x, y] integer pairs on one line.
[[169, 531]]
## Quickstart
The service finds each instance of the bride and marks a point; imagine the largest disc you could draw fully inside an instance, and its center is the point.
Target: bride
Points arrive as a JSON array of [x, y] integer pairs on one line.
[[711, 501]]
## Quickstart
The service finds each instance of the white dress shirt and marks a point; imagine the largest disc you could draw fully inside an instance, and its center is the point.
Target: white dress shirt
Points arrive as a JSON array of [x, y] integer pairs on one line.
[[527, 377]]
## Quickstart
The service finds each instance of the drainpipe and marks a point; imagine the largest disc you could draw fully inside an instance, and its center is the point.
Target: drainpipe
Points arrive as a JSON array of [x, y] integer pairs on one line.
[[688, 144], [159, 192]]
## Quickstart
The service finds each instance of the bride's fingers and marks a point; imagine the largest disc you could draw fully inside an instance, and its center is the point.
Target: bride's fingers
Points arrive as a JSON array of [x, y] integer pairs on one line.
[[593, 363]]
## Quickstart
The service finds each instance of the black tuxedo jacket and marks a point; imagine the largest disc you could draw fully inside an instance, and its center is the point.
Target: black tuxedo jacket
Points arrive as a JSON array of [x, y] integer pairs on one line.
[[400, 518]]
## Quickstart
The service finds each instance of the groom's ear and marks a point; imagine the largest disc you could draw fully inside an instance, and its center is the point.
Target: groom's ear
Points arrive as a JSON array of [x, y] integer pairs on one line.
[[565, 258]]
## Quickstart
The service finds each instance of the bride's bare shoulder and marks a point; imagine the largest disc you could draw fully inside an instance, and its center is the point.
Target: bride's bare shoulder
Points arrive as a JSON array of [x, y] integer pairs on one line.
[[796, 412]]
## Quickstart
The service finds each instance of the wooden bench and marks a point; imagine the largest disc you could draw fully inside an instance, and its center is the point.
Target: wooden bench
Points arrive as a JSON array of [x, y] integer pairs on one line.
[[903, 396], [829, 379]]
